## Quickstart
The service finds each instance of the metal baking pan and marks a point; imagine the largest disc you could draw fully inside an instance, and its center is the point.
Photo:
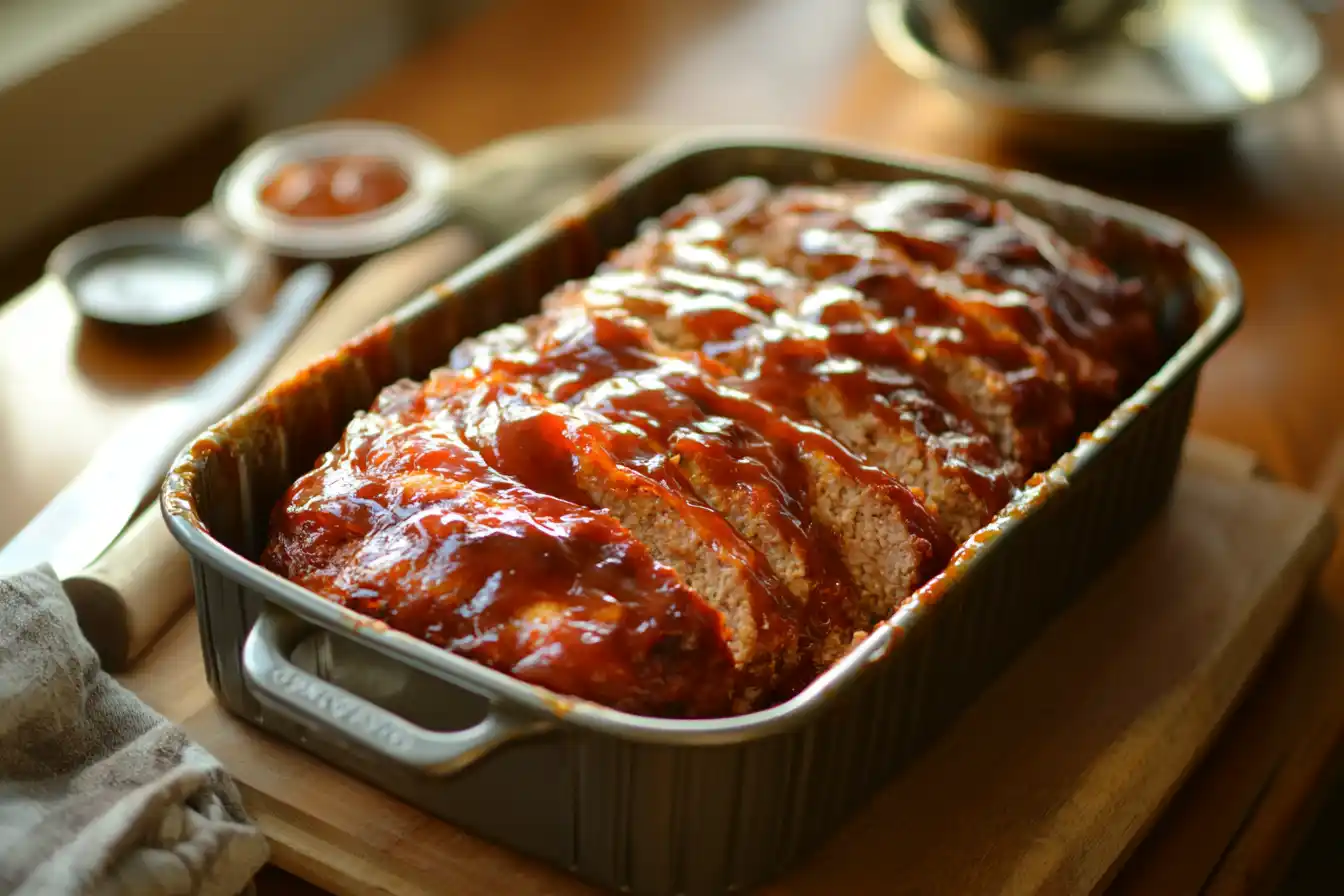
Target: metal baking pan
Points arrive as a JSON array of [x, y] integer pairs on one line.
[[650, 805]]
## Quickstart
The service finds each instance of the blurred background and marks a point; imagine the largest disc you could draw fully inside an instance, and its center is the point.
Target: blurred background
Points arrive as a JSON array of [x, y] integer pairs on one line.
[[1226, 113], [127, 107]]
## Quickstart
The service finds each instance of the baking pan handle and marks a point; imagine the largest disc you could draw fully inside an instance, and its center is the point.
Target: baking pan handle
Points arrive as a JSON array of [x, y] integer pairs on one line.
[[285, 687]]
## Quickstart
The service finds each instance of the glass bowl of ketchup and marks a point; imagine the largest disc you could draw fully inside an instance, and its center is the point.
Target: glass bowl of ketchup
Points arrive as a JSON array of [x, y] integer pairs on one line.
[[336, 190]]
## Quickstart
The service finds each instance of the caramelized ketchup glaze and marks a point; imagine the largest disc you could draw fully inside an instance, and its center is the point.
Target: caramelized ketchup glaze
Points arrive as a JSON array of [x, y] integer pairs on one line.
[[463, 510]]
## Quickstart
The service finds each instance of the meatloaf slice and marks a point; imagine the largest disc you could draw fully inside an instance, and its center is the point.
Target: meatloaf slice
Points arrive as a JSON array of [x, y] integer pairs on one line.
[[1007, 385], [405, 523], [762, 490], [1000, 248], [686, 310], [864, 387]]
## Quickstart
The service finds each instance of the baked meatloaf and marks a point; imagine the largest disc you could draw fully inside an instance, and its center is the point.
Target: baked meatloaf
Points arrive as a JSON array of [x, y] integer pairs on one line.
[[692, 480]]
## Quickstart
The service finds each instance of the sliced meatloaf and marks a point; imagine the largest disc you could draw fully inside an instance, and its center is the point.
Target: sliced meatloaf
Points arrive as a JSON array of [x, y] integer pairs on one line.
[[693, 479]]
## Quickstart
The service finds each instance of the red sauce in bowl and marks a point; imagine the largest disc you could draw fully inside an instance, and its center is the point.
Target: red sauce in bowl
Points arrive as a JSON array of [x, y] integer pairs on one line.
[[334, 186]]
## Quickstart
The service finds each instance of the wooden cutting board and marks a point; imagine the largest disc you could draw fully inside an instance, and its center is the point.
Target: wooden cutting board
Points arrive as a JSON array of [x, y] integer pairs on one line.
[[1043, 786]]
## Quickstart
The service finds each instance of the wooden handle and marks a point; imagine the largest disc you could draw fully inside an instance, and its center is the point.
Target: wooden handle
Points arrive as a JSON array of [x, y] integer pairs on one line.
[[128, 596]]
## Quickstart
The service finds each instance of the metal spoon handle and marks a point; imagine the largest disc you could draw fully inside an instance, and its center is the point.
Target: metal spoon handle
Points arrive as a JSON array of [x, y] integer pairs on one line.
[[225, 385]]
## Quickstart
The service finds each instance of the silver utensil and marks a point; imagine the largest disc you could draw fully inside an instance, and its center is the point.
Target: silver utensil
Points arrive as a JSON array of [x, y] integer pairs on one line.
[[88, 514]]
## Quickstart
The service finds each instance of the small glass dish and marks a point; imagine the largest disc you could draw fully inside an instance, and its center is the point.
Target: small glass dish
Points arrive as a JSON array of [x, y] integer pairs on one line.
[[149, 272], [422, 203]]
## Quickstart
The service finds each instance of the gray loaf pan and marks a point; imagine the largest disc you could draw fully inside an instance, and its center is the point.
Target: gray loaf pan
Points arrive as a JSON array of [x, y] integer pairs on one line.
[[656, 806]]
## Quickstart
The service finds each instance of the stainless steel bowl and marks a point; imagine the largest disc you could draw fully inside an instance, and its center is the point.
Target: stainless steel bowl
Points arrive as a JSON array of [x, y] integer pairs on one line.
[[1169, 70]]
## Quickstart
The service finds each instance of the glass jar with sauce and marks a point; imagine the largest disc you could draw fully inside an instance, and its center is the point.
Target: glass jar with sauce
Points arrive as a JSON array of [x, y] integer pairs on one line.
[[340, 190]]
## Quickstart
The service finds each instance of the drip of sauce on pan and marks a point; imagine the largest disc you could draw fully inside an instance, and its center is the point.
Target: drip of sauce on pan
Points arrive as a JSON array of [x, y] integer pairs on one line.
[[335, 186]]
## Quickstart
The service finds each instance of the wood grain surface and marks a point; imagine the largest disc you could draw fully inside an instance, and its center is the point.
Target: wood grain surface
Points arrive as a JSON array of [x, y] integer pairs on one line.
[[1272, 197], [1044, 786]]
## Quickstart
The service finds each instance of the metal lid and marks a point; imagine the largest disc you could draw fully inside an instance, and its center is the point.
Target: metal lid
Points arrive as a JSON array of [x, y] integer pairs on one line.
[[153, 271], [424, 205]]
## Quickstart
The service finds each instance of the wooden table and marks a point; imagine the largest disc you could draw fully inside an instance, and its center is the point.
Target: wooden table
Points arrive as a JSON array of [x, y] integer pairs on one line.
[[1274, 200]]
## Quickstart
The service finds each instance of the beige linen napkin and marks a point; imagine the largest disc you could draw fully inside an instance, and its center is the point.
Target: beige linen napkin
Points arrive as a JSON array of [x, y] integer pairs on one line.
[[98, 793]]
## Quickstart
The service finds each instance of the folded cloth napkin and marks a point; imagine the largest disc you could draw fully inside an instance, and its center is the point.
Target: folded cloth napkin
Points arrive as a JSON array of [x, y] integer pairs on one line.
[[98, 793]]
